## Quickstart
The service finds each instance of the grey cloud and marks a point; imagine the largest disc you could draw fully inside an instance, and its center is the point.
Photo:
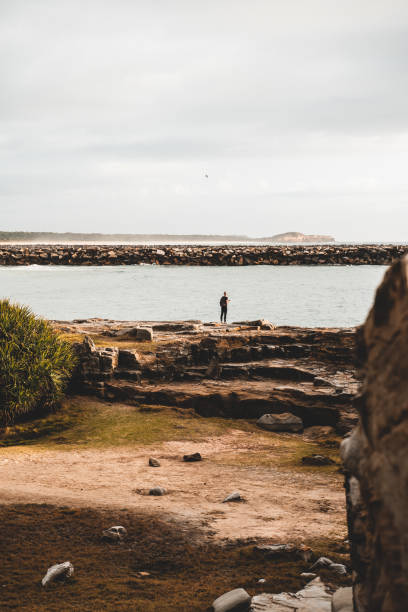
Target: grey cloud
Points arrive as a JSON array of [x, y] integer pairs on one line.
[[132, 100]]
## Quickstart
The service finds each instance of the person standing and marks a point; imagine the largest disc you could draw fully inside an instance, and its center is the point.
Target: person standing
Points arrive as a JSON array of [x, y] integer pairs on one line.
[[224, 304]]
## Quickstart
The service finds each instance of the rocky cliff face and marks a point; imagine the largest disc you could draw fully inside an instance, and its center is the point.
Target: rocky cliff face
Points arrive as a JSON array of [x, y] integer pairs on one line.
[[376, 455]]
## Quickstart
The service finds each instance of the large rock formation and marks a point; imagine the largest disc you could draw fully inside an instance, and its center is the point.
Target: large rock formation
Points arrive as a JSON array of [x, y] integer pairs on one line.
[[376, 455], [243, 370]]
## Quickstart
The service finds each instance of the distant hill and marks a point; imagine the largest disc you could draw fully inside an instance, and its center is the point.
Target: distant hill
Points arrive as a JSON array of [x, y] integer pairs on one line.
[[298, 237], [66, 237]]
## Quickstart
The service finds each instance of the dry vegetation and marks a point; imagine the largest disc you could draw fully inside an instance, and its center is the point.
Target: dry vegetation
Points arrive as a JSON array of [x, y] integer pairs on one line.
[[186, 571], [188, 567]]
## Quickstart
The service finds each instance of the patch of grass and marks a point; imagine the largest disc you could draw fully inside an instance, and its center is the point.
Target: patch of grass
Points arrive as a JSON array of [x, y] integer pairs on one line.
[[283, 451], [187, 572], [88, 421]]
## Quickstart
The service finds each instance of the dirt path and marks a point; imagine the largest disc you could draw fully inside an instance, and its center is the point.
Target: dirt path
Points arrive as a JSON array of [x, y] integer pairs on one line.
[[281, 503]]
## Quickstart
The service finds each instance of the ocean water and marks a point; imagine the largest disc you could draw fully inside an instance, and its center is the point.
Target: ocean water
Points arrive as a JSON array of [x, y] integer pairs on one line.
[[309, 296]]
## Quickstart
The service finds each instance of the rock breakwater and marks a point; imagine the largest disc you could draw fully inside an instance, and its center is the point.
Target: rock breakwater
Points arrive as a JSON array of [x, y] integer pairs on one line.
[[108, 255]]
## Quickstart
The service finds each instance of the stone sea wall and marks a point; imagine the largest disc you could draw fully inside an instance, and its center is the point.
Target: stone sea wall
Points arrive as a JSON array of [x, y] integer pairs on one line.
[[108, 255]]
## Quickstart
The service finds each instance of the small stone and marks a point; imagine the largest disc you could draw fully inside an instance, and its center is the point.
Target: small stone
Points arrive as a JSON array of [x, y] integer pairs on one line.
[[280, 422], [154, 462], [117, 533], [157, 491], [261, 581], [233, 497], [237, 600], [192, 457], [60, 570]]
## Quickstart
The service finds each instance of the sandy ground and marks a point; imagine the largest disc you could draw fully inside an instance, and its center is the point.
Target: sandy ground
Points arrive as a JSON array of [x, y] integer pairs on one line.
[[280, 504]]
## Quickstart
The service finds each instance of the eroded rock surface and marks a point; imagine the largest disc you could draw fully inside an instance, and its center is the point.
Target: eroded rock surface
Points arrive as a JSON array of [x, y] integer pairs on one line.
[[376, 456], [238, 371], [315, 597]]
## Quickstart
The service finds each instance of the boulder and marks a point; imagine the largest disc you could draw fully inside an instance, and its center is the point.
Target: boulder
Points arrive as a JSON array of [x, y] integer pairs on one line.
[[325, 562], [59, 571], [280, 422], [108, 359], [237, 600], [129, 358], [193, 457], [139, 333], [144, 334]]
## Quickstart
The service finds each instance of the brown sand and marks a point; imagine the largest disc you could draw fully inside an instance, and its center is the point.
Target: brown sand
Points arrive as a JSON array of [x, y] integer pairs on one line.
[[281, 503]]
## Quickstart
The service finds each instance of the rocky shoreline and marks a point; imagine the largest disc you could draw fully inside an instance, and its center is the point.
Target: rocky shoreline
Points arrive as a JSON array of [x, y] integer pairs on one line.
[[242, 370], [193, 255]]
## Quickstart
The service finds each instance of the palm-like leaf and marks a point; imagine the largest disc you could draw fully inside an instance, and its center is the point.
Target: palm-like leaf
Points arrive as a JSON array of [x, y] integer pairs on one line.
[[35, 363]]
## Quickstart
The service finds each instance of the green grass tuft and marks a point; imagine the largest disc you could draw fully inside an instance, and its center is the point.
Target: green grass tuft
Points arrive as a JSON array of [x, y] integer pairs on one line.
[[35, 363]]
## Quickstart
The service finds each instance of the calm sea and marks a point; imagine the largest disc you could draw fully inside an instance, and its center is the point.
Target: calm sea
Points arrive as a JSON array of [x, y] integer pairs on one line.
[[286, 295]]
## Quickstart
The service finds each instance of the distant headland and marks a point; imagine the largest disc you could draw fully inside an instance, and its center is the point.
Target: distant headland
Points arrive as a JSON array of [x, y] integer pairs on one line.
[[66, 237]]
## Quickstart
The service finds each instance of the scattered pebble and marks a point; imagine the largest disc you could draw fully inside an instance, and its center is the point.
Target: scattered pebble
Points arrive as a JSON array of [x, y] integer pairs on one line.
[[192, 457], [154, 462], [157, 491], [233, 497], [117, 533], [60, 570]]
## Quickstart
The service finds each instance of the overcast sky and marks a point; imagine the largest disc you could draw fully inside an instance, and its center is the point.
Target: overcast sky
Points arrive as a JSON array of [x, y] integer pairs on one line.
[[112, 112]]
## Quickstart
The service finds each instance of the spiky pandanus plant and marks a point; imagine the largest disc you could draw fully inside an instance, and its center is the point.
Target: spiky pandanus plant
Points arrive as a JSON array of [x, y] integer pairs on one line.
[[35, 363]]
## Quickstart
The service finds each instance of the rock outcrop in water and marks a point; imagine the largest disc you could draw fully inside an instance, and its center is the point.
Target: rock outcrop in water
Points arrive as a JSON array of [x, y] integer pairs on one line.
[[376, 456], [193, 255], [238, 371]]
